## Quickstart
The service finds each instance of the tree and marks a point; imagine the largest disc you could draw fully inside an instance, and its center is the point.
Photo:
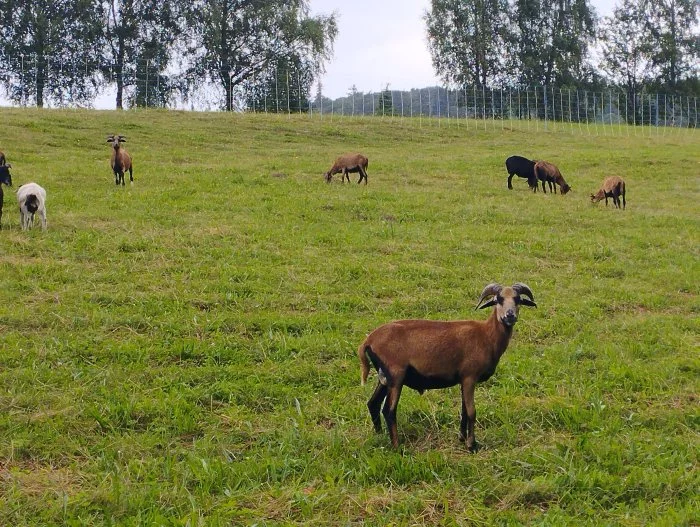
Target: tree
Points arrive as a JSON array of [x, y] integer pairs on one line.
[[466, 39], [675, 42], [47, 50], [234, 41], [625, 46], [385, 104], [139, 36], [283, 87], [551, 39]]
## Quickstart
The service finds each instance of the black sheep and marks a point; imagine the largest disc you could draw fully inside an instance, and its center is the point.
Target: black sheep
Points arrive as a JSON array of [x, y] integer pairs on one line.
[[6, 178], [522, 167]]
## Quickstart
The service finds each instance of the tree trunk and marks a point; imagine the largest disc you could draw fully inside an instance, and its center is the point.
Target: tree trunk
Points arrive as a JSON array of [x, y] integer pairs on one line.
[[674, 44], [120, 74], [40, 80], [228, 89]]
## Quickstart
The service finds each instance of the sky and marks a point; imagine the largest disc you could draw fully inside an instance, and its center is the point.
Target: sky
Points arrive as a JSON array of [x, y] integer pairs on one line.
[[382, 42]]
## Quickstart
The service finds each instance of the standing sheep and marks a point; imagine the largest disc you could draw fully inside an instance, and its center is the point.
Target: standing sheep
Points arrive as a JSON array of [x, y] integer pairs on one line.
[[549, 173], [349, 163], [613, 187], [522, 167], [31, 198], [121, 160], [5, 179], [430, 354]]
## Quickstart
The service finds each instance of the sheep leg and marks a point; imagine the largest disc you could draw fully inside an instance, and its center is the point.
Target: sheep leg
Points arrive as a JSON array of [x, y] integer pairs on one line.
[[389, 411], [375, 404], [624, 203], [544, 189], [363, 175], [131, 174], [42, 213], [466, 428], [510, 181], [345, 176], [606, 200]]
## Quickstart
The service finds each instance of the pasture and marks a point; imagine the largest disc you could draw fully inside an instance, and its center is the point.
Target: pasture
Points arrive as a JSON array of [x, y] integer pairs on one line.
[[183, 351]]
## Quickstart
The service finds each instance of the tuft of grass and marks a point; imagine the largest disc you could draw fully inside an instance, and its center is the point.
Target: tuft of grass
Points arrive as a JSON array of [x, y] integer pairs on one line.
[[183, 350]]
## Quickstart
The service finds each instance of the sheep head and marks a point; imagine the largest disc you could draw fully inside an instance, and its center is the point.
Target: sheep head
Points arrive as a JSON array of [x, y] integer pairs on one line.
[[565, 188], [328, 177], [507, 301], [595, 198], [115, 140]]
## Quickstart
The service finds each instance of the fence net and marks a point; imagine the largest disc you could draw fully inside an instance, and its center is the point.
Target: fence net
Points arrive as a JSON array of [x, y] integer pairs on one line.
[[607, 111]]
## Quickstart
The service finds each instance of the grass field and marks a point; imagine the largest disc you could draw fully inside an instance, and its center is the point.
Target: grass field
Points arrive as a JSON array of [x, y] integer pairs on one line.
[[183, 351]]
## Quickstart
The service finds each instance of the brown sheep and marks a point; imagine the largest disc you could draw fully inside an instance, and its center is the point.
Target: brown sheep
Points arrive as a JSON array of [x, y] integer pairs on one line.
[[349, 163], [613, 187], [121, 160], [549, 173], [430, 354]]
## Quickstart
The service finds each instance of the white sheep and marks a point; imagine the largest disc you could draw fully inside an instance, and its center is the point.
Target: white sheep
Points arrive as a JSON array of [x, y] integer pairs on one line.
[[31, 198]]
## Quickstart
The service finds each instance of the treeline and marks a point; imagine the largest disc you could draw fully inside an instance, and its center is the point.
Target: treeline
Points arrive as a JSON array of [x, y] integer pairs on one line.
[[266, 55], [68, 50], [610, 106], [646, 44]]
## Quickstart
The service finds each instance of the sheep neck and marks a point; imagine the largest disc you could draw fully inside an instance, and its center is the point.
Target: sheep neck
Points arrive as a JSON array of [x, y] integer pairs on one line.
[[499, 334]]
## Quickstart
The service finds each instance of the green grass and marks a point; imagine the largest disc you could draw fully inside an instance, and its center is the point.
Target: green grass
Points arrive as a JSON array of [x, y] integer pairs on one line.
[[183, 351]]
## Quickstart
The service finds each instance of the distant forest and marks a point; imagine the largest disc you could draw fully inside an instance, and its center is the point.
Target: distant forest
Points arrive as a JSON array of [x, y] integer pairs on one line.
[[267, 55]]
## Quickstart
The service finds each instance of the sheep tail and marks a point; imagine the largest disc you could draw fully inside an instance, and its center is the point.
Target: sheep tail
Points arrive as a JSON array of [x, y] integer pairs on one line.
[[364, 362]]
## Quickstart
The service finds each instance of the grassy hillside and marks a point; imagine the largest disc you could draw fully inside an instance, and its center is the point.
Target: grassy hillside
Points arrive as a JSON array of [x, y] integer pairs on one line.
[[183, 351]]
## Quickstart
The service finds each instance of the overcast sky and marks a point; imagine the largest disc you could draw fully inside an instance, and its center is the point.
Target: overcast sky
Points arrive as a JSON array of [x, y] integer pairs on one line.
[[383, 41]]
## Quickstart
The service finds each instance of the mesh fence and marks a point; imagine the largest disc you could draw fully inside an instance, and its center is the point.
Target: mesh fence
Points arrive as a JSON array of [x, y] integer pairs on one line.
[[607, 111]]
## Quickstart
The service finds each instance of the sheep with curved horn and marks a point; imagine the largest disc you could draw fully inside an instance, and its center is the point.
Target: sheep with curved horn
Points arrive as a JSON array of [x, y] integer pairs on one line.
[[121, 160], [431, 354]]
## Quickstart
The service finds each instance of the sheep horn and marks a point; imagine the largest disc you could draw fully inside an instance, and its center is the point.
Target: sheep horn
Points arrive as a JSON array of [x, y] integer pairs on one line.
[[489, 290], [523, 289]]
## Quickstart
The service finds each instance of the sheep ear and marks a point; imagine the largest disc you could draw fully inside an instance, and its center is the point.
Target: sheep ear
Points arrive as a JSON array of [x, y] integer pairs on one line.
[[490, 303], [122, 139]]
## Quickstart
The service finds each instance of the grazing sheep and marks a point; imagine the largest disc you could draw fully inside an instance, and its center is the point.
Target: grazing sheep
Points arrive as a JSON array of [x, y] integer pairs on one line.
[[6, 179], [31, 198], [121, 160], [522, 167], [349, 163], [549, 173], [429, 354], [613, 187]]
